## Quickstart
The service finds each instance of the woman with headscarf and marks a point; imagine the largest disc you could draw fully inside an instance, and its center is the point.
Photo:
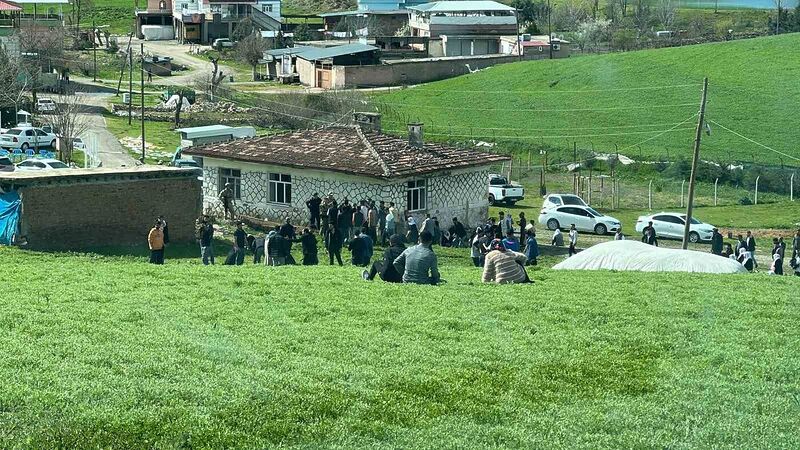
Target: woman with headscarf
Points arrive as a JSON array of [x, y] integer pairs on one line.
[[746, 260], [412, 235], [504, 266], [385, 267], [478, 248]]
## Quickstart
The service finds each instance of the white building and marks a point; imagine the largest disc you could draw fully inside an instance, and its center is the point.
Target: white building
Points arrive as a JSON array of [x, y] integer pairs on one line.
[[206, 20], [273, 176]]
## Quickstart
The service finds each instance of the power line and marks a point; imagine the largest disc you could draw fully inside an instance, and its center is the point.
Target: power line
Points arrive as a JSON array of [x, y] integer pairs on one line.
[[613, 108], [559, 137], [585, 91], [466, 127], [754, 142], [662, 133]]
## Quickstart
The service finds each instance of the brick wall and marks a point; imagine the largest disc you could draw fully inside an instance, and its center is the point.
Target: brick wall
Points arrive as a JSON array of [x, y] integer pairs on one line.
[[114, 212]]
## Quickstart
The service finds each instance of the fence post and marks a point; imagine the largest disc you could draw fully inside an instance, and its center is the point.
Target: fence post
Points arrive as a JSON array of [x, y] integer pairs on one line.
[[683, 183], [715, 191], [650, 195], [791, 188], [756, 196]]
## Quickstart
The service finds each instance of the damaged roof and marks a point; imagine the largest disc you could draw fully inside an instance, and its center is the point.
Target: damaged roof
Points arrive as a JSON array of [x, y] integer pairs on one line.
[[347, 150]]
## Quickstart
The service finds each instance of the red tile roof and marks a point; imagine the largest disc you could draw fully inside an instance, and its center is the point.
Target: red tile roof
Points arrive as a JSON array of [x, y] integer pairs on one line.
[[6, 5], [347, 150]]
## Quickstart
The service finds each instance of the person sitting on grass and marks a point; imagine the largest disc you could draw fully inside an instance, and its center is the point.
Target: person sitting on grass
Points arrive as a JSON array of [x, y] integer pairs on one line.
[[361, 248], [510, 242], [727, 251], [385, 268], [504, 266], [418, 264], [746, 259], [531, 248]]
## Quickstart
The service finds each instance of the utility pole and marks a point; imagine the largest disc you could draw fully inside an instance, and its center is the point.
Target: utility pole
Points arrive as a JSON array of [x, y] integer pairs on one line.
[[698, 134], [142, 94], [94, 49], [519, 41], [130, 85], [549, 30]]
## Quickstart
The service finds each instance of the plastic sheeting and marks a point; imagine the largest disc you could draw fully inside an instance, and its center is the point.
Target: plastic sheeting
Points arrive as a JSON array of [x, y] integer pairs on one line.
[[158, 32], [10, 207], [637, 256]]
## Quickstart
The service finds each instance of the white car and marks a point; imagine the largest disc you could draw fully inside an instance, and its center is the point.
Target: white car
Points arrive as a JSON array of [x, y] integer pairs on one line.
[[26, 137], [78, 144], [41, 164], [584, 217], [45, 105], [671, 225], [554, 200], [221, 43]]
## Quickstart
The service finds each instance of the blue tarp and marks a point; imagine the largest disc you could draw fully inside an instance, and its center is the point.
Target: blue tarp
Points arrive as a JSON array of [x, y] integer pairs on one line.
[[10, 207]]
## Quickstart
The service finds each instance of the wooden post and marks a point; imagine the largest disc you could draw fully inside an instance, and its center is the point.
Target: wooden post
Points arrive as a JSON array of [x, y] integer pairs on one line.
[[695, 157], [142, 93]]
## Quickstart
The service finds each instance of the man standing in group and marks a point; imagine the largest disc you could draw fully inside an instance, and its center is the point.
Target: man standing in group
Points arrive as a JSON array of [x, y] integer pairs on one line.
[[287, 230], [372, 222], [750, 245], [226, 195], [361, 248], [390, 229], [796, 245], [649, 235], [155, 240], [778, 251], [427, 225], [239, 244], [382, 222], [323, 210], [418, 264], [573, 239], [313, 205], [333, 243], [716, 242], [458, 233], [207, 242], [308, 243]]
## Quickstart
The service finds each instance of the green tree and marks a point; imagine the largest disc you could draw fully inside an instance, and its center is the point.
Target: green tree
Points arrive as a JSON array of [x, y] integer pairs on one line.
[[302, 32], [250, 50]]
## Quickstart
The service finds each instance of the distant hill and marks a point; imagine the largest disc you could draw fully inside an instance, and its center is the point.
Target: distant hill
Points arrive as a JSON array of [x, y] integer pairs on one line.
[[628, 99]]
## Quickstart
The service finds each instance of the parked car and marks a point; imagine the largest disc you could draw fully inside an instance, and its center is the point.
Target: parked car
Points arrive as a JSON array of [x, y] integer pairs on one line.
[[501, 191], [78, 144], [584, 217], [41, 164], [6, 165], [672, 225], [221, 43], [45, 105], [26, 137], [554, 200]]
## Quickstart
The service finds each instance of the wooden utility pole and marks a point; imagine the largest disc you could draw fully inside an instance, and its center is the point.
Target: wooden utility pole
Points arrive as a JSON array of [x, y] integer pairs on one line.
[[142, 94], [695, 157], [94, 50], [130, 85]]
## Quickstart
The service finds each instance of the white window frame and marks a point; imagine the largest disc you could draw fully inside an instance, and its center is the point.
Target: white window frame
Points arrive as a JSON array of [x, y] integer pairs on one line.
[[279, 183], [231, 176], [420, 187], [266, 7]]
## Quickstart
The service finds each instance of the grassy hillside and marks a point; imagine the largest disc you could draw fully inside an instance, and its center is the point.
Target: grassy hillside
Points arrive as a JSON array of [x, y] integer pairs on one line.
[[112, 352], [624, 99]]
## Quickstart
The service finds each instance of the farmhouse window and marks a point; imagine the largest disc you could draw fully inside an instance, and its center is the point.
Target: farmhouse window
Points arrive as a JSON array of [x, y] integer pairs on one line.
[[266, 8], [233, 176], [416, 195], [280, 188]]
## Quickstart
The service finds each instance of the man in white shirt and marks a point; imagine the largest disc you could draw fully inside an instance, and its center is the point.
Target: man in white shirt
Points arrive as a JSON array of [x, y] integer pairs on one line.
[[573, 239]]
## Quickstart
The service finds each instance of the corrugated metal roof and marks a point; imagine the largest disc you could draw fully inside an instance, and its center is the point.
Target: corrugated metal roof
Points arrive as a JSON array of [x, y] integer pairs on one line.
[[462, 5], [208, 130], [332, 52], [366, 12], [9, 6], [288, 51]]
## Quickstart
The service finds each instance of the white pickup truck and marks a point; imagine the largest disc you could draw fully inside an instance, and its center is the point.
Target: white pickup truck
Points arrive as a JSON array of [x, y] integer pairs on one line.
[[501, 191]]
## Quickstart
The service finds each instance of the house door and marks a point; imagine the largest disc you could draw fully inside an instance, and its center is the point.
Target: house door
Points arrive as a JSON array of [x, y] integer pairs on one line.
[[324, 78]]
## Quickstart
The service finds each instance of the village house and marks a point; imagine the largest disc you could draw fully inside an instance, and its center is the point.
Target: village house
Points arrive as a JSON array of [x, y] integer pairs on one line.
[[273, 176], [205, 20], [535, 47], [315, 66]]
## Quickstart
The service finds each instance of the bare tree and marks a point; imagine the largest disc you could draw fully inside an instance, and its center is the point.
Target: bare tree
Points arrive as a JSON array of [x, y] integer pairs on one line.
[[665, 12], [44, 48], [250, 51], [69, 121], [13, 82], [216, 76]]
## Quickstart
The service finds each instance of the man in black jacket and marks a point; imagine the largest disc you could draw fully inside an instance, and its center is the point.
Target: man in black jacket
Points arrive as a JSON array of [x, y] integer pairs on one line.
[[313, 209], [458, 233], [716, 242], [308, 242], [287, 230], [333, 243], [385, 268], [750, 243], [207, 242]]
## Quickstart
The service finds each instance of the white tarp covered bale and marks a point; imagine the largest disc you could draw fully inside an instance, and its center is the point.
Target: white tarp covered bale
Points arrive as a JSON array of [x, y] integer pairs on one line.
[[635, 255], [158, 32]]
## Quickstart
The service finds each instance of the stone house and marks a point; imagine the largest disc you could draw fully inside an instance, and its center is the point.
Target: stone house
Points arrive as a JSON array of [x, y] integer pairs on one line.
[[273, 176]]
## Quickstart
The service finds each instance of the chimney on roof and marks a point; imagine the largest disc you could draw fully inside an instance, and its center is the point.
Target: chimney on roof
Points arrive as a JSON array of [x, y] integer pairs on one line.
[[415, 134], [368, 121]]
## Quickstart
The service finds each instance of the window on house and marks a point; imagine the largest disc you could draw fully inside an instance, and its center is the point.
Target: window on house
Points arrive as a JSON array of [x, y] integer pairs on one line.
[[556, 47], [280, 188], [416, 195], [234, 177], [266, 8]]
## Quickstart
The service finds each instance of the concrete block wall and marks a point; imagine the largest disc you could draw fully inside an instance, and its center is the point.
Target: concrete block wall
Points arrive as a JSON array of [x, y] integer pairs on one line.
[[89, 214]]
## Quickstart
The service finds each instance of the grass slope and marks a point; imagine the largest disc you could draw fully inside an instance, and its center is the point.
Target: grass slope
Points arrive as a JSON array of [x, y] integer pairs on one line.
[[753, 90], [112, 352]]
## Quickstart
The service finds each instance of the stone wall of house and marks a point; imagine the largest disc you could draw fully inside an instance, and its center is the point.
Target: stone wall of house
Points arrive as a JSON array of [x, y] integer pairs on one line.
[[461, 194], [89, 214]]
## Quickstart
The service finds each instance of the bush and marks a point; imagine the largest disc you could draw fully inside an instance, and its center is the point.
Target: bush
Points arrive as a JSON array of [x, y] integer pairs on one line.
[[745, 201]]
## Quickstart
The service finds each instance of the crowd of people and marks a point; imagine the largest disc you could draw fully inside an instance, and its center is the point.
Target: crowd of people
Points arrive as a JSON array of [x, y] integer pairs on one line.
[[502, 247]]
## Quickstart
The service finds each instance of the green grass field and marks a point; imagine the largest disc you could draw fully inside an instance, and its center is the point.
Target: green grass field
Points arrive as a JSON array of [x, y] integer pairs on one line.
[[108, 351], [622, 98]]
